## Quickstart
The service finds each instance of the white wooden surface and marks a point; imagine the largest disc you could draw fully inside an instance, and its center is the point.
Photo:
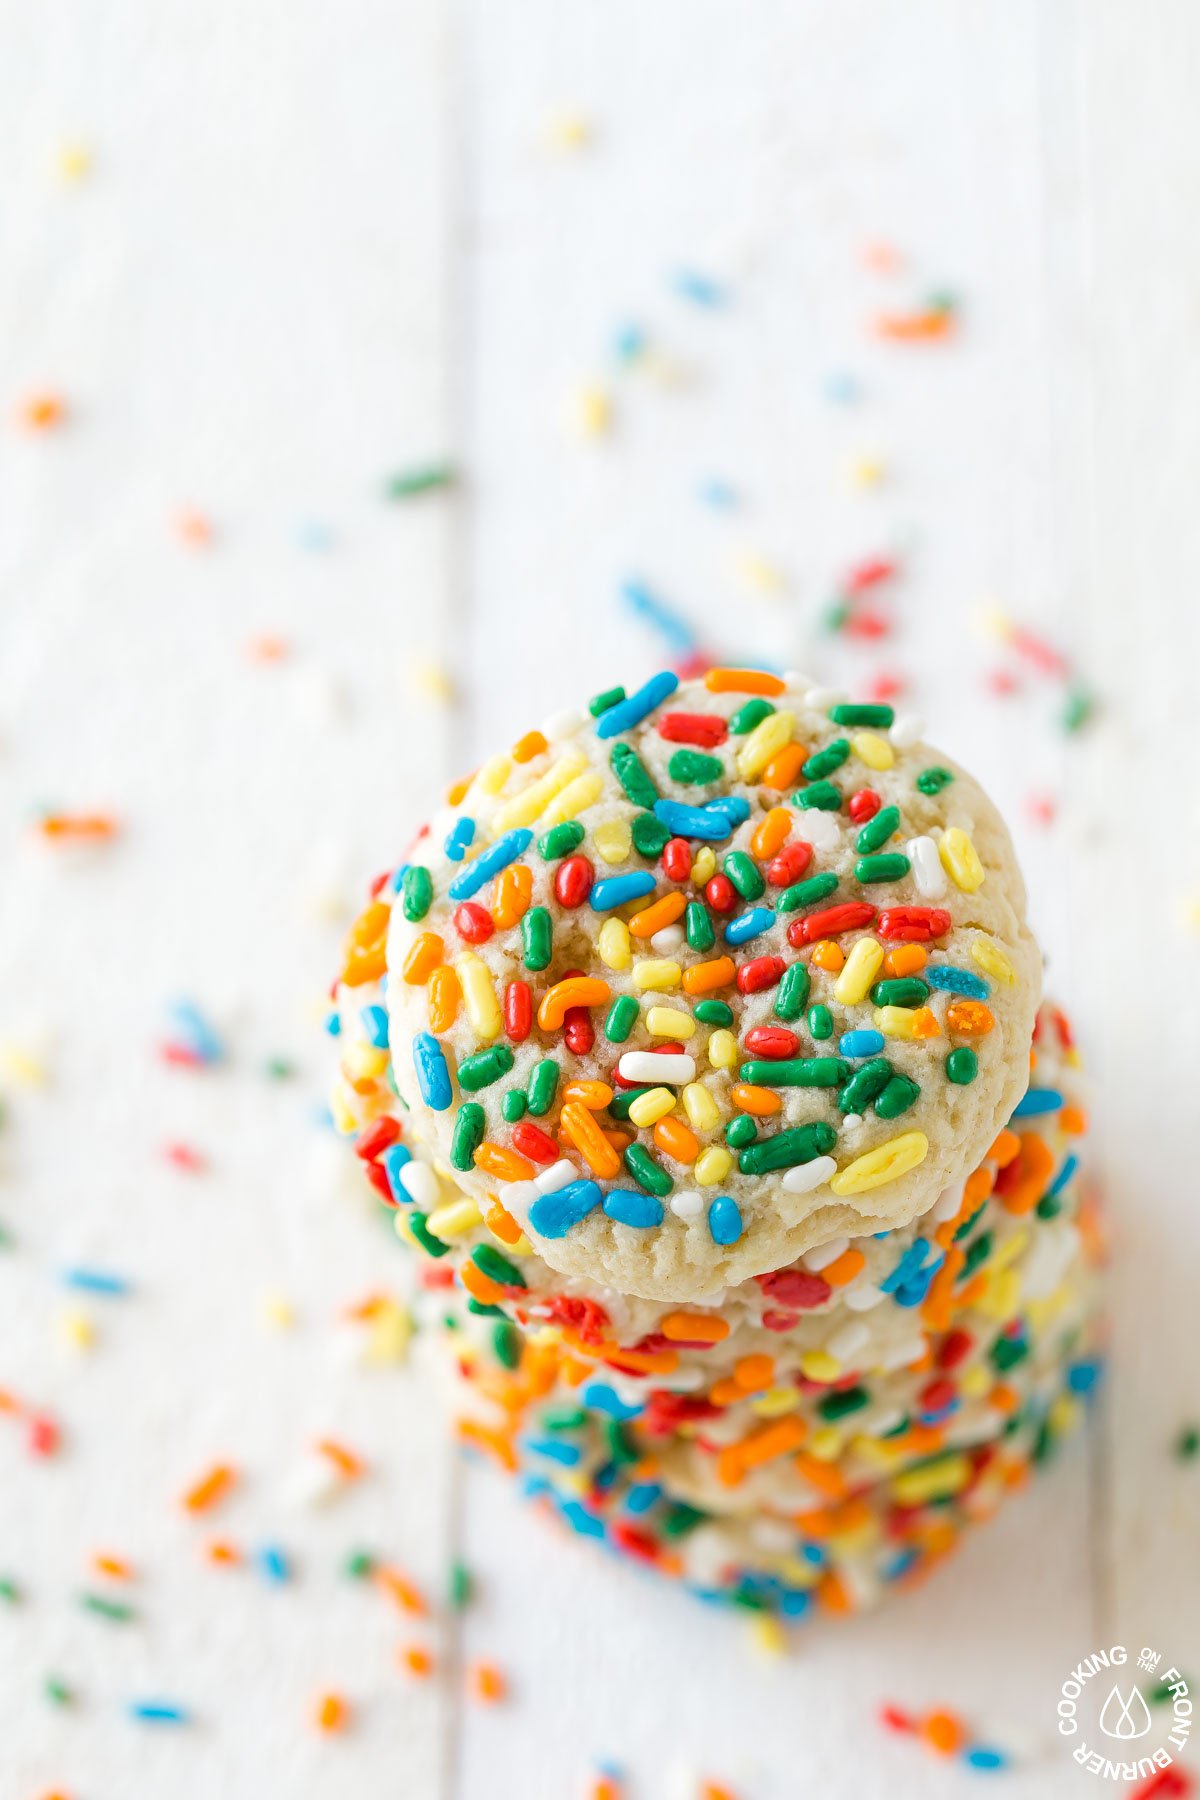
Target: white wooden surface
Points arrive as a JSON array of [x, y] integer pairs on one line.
[[322, 243]]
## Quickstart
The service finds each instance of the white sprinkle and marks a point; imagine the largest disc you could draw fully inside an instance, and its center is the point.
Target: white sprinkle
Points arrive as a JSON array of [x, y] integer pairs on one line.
[[880, 1423], [821, 699], [908, 730], [852, 1122], [561, 725], [846, 1343], [927, 869], [518, 1197], [900, 1355], [671, 937], [796, 678], [312, 1482], [644, 1065], [862, 1296], [807, 1176], [687, 1206], [420, 1184], [558, 1175], [946, 1204], [820, 829], [820, 1258]]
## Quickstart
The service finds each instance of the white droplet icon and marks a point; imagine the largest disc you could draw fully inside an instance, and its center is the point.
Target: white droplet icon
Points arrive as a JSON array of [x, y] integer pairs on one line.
[[1125, 1718]]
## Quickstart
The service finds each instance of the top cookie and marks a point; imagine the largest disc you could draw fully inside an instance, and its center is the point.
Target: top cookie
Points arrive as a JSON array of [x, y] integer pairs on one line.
[[749, 956]]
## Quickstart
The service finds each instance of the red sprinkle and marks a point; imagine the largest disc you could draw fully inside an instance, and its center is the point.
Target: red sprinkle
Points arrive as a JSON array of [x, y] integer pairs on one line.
[[473, 922], [866, 624], [379, 883], [184, 1157], [721, 894], [912, 924], [533, 1143], [790, 864], [579, 1033], [518, 1011], [830, 922], [1168, 1784], [677, 860], [794, 1287], [773, 1041], [377, 1176], [693, 728], [954, 1347], [895, 1720], [375, 1139], [759, 973], [43, 1435], [869, 574], [936, 1395], [780, 1321], [864, 805], [573, 881]]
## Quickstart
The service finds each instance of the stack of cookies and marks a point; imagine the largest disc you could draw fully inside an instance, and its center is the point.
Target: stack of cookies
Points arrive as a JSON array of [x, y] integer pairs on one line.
[[697, 1047]]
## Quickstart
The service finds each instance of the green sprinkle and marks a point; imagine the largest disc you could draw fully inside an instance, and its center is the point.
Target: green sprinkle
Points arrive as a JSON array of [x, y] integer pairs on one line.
[[834, 617], [807, 893], [713, 1012], [100, 1604], [469, 1127], [977, 1252], [57, 1692], [820, 1023], [561, 840], [542, 1085], [9, 1590], [824, 762], [649, 834], [600, 703], [278, 1068], [489, 1261], [968, 1225], [416, 892], [432, 1246], [681, 1519], [822, 795], [358, 1565], [1049, 1206], [748, 715], [690, 767], [422, 479], [869, 869], [877, 716], [564, 1418], [1008, 1352], [744, 874], [633, 776], [933, 779], [899, 1094], [1187, 1444], [481, 1311], [740, 1132], [962, 1066], [876, 832], [622, 1100], [698, 926], [792, 992], [621, 1018], [864, 1085], [460, 1586], [506, 1342], [797, 1071], [621, 1446], [512, 1107], [906, 990], [845, 1401], [537, 938], [785, 1149], [646, 1172], [1078, 710], [486, 1066]]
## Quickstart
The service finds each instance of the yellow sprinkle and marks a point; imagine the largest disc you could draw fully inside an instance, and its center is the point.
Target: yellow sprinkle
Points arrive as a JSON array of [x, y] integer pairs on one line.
[[453, 1219], [340, 1107], [818, 1365], [960, 859], [664, 1021], [974, 1382], [74, 162], [613, 840], [870, 748], [704, 865], [767, 1634], [712, 1165], [431, 679], [648, 1107], [996, 624], [593, 410], [658, 973], [895, 1021], [754, 571], [702, 1110], [493, 775], [866, 471], [934, 1481], [800, 1574], [363, 1062], [775, 1402], [886, 1163], [525, 807], [584, 791], [991, 958], [568, 131], [875, 1453], [278, 1312], [479, 996], [826, 1445], [1008, 1252], [1001, 1297], [722, 1050], [76, 1330], [400, 1226], [862, 966], [22, 1066], [390, 1333], [612, 945], [1064, 1414], [766, 741]]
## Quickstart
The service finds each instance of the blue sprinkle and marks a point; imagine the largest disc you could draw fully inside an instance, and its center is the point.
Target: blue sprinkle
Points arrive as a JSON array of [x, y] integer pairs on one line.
[[501, 853], [910, 1265], [311, 534], [433, 1077], [95, 1281], [794, 1603], [462, 835], [749, 925], [397, 880], [724, 1220], [602, 1398], [581, 1520], [1083, 1376], [692, 821], [729, 806], [628, 1207], [953, 980], [393, 1160], [982, 1756], [554, 1450], [375, 1024], [690, 284], [628, 713], [1036, 1101], [860, 1043], [552, 1215], [157, 1712], [841, 387], [273, 1563], [717, 493], [641, 601], [1061, 1179], [642, 1496], [617, 889], [900, 1565], [333, 1024], [197, 1034], [629, 342]]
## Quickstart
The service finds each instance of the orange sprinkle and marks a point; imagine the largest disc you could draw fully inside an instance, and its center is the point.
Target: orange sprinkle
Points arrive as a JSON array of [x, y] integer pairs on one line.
[[457, 791], [843, 1268], [771, 835], [783, 770], [504, 1164], [1003, 1398], [529, 746], [444, 995], [1072, 1120], [976, 1188], [595, 1095], [512, 894], [925, 1024], [400, 1589], [423, 958], [370, 927], [487, 1682], [268, 649], [760, 1101], [820, 1475], [42, 411], [345, 1461], [753, 1373], [726, 1393], [481, 1287], [1005, 1147], [938, 1307], [576, 990], [916, 327], [589, 1140], [970, 1017], [499, 1220], [832, 1595], [331, 1713], [829, 956], [702, 978], [64, 826], [112, 1565], [221, 1552], [193, 528], [905, 959], [496, 1443], [742, 681], [416, 1659], [657, 917], [736, 1460], [673, 1136], [1037, 1166], [694, 1328], [712, 1790], [210, 1488], [943, 1732], [640, 1362]]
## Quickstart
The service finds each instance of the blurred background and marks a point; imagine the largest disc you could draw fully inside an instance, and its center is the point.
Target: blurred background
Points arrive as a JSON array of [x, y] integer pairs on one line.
[[374, 380]]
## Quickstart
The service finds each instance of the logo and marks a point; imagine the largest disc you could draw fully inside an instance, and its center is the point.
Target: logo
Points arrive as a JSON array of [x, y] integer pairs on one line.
[[1134, 1730]]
